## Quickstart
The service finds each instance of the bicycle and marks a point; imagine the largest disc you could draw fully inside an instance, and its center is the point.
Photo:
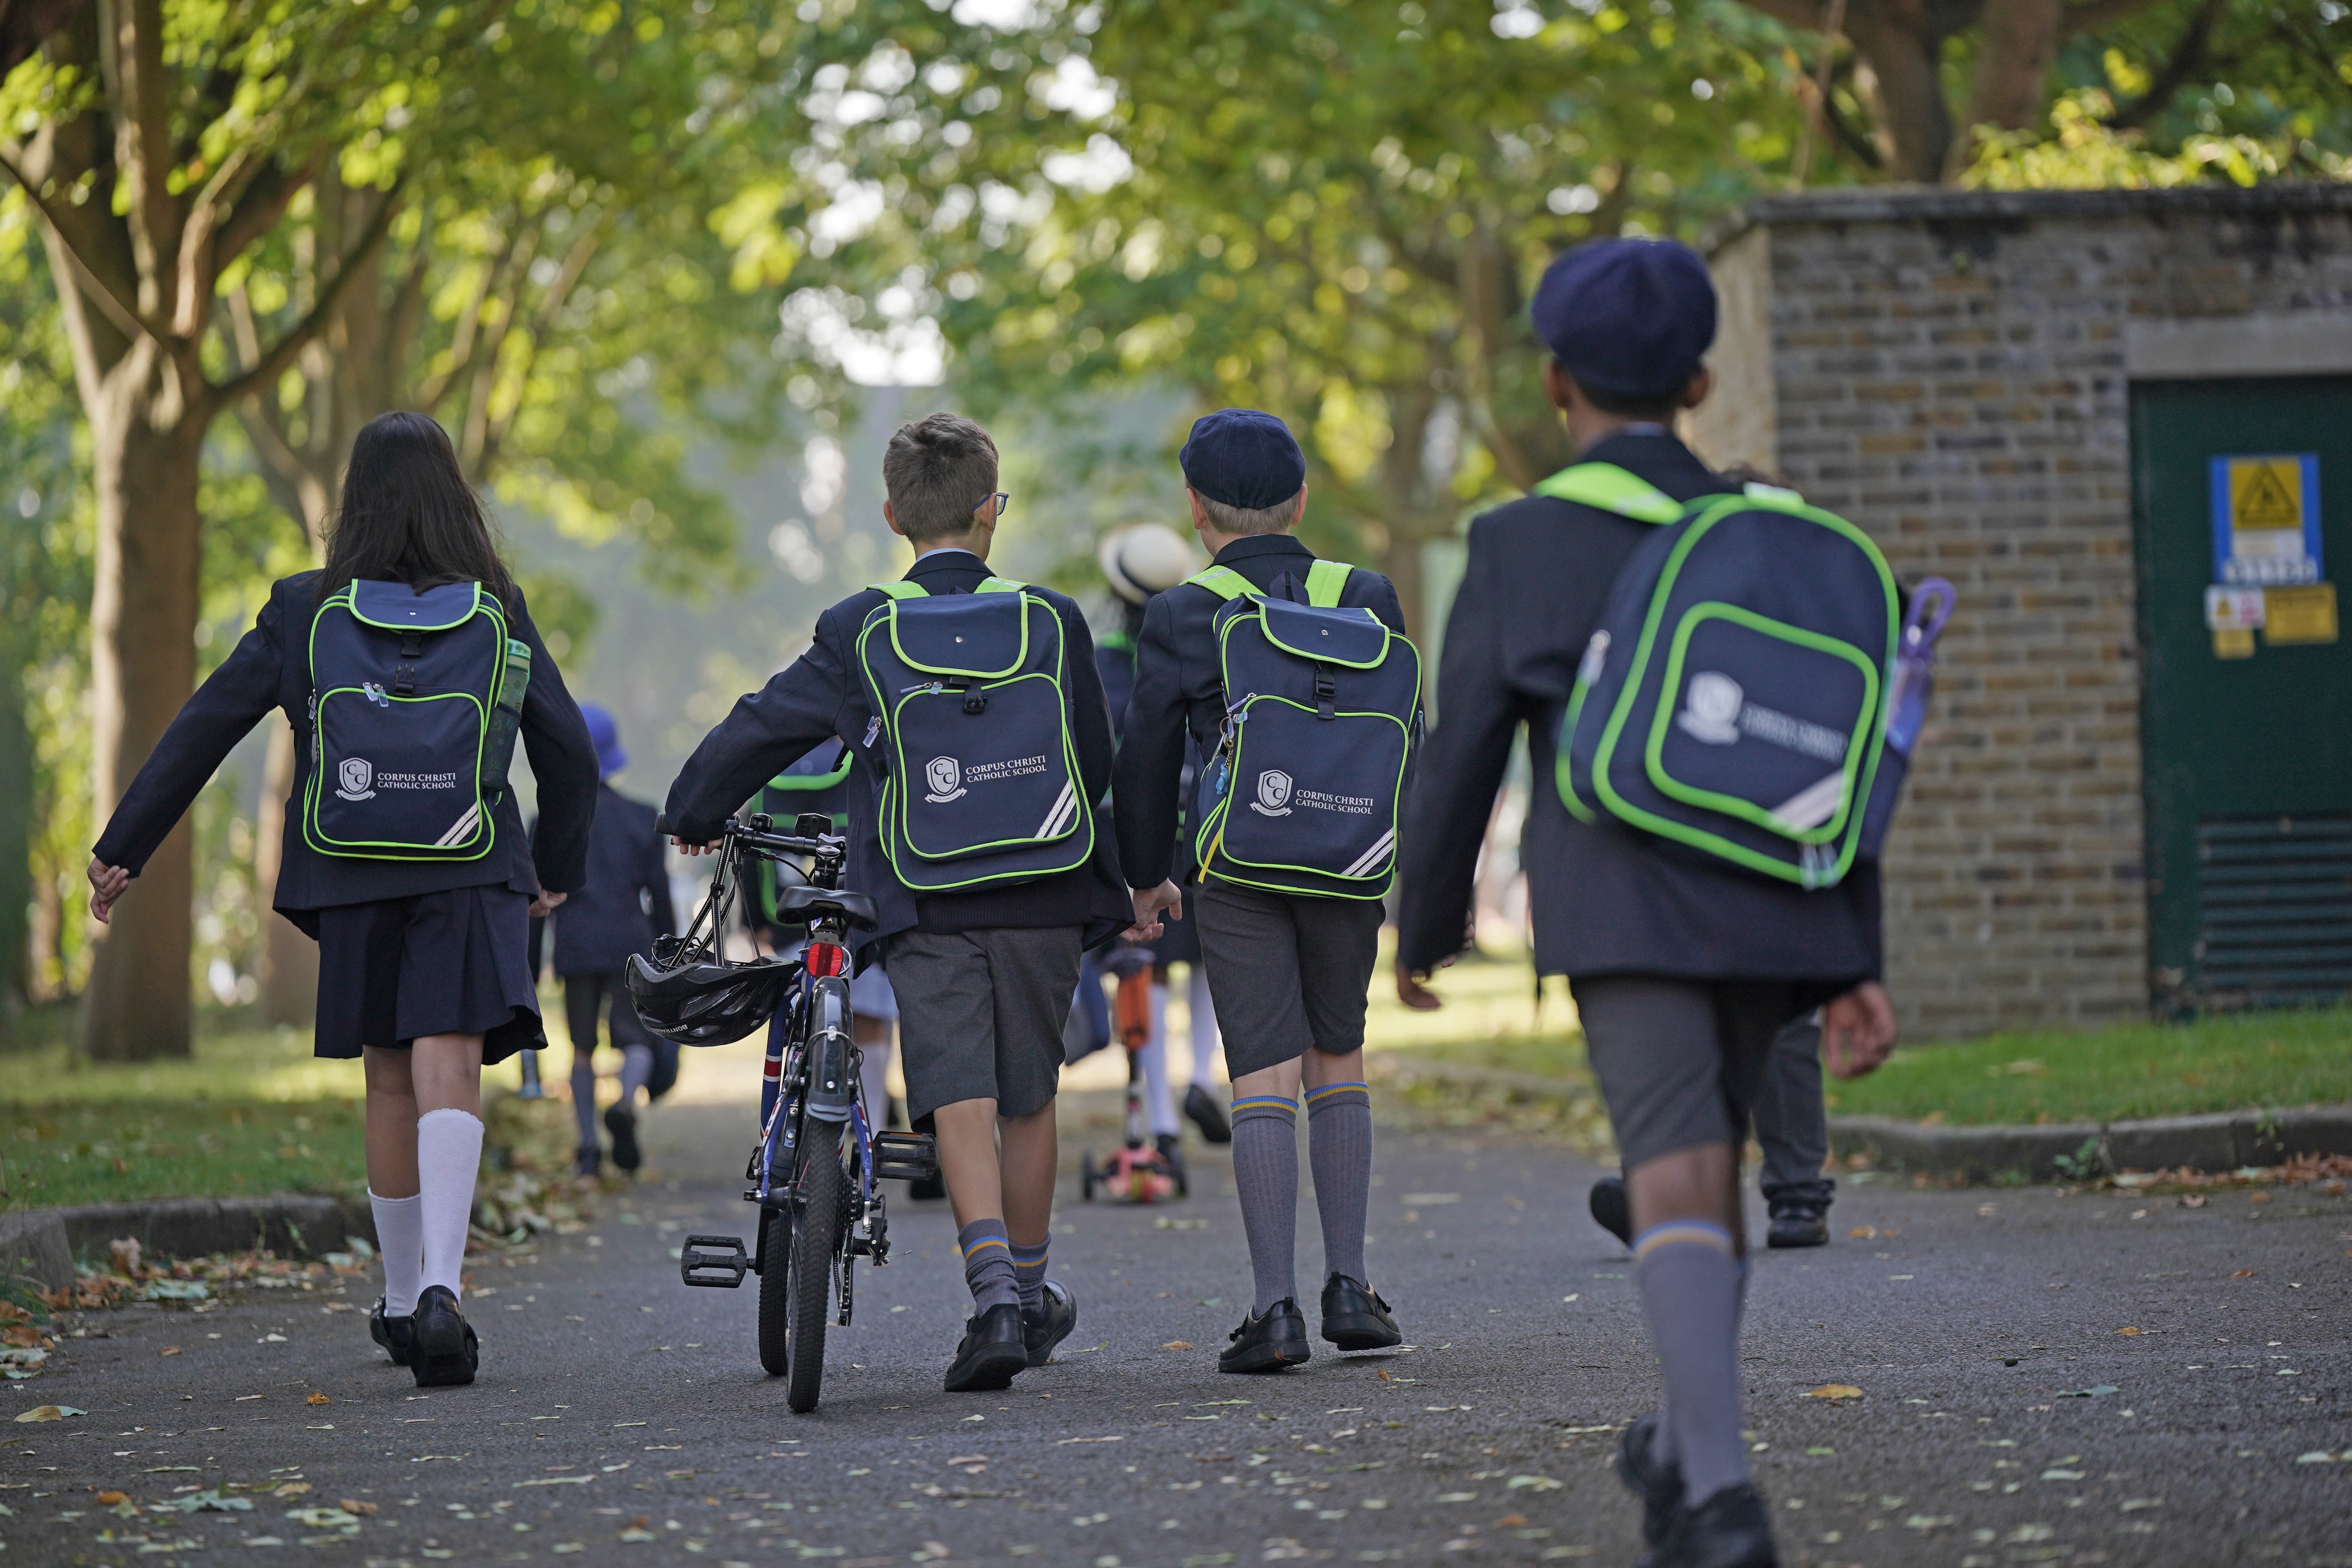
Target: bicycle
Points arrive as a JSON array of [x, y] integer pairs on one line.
[[814, 1172]]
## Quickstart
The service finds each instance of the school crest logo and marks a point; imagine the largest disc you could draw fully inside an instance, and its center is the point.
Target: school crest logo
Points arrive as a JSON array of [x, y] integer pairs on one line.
[[1711, 708], [1272, 793], [354, 776], [945, 775]]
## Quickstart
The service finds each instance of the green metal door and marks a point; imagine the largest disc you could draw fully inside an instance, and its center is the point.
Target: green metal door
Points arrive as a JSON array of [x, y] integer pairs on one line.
[[2247, 735]]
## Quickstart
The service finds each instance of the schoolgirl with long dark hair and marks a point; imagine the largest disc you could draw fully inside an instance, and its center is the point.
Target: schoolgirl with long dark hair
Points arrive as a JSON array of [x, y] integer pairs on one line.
[[408, 667]]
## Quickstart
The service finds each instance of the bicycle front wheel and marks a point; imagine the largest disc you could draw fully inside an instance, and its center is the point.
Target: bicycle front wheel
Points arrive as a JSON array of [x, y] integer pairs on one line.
[[775, 1293], [815, 1245]]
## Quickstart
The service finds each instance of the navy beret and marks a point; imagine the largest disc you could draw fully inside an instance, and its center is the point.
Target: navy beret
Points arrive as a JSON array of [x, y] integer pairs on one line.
[[1245, 458], [1629, 319]]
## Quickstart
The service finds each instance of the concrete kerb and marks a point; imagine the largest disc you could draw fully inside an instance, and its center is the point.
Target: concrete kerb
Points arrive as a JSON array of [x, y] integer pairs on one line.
[[42, 1244], [2228, 1141]]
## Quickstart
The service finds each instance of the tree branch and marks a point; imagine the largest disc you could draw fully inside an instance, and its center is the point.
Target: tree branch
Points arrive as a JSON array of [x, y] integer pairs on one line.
[[273, 364], [2187, 56], [257, 211], [469, 320], [123, 312], [2096, 14]]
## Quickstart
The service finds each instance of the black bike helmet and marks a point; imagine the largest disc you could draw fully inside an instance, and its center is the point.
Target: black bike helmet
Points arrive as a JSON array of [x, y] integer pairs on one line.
[[704, 1003]]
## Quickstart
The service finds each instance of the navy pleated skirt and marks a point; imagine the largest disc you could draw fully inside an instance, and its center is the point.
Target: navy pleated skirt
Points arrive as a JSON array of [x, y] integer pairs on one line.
[[452, 962]]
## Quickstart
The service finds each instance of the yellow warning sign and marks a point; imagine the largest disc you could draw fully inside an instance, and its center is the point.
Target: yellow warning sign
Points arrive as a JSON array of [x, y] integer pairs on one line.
[[2304, 613], [2265, 493], [2234, 645]]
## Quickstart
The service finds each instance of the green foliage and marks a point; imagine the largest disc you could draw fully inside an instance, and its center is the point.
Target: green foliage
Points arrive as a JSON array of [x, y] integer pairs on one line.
[[56, 1154]]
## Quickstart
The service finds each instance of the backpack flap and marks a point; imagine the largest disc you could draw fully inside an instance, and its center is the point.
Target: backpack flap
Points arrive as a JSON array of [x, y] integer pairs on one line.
[[1355, 638], [974, 637]]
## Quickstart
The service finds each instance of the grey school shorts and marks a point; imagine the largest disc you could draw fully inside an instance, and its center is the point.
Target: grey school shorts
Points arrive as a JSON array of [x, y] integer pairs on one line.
[[1288, 973], [980, 1015], [1680, 1062]]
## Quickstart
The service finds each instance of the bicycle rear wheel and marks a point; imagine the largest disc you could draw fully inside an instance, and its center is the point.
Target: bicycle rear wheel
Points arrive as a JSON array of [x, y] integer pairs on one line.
[[815, 1244]]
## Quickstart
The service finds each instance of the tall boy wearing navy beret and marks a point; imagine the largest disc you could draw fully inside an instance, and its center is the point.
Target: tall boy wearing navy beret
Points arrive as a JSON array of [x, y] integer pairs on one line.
[[1288, 973], [1683, 971]]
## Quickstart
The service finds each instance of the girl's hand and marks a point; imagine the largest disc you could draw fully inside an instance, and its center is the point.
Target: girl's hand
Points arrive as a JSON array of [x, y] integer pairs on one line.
[[545, 903], [1857, 1030], [107, 883]]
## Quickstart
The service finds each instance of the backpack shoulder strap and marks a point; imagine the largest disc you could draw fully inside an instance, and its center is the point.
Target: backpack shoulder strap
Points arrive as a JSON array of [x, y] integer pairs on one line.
[[1608, 488], [900, 590], [1326, 580], [1223, 582], [999, 585]]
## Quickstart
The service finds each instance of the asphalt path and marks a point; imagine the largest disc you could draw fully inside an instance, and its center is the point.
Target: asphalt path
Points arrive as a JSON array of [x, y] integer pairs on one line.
[[2043, 1378]]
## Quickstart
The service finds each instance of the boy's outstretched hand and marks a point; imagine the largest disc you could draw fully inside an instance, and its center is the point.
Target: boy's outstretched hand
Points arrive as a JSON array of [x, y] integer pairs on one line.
[[1149, 903], [545, 904], [1858, 1030], [107, 883]]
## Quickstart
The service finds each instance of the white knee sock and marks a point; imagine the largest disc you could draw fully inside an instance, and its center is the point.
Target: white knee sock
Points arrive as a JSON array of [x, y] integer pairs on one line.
[[1205, 1028], [400, 1241], [1153, 1057], [448, 1154]]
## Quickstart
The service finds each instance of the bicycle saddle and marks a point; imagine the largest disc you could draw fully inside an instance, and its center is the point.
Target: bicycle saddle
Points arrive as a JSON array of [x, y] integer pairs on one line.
[[800, 905]]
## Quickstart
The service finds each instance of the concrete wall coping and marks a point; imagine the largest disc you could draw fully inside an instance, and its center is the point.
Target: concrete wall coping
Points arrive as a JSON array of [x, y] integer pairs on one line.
[[1941, 204]]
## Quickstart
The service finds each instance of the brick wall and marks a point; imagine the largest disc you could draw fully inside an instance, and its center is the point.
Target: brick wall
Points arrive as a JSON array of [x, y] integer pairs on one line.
[[1948, 369]]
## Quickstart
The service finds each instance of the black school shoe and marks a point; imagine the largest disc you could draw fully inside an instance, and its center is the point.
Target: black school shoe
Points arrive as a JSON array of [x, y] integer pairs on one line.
[[1267, 1343], [396, 1335], [1657, 1482], [1613, 1211], [1355, 1318], [1207, 1115], [992, 1351], [1729, 1530], [447, 1354], [1051, 1324], [1799, 1222], [622, 1124]]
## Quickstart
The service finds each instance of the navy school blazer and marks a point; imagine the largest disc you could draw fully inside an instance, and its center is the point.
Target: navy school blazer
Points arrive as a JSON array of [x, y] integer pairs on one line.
[[269, 668], [623, 904], [1604, 899], [822, 694]]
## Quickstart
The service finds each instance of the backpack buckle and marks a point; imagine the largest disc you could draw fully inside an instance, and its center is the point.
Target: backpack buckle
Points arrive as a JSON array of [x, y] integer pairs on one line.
[[412, 648], [976, 703], [1326, 692]]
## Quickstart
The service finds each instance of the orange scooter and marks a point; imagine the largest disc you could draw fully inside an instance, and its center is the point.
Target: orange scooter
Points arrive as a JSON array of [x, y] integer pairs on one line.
[[1138, 1172]]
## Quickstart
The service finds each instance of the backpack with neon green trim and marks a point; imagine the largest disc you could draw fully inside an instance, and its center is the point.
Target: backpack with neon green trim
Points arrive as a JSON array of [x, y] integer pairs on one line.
[[1322, 710], [1734, 700], [415, 701], [980, 773], [819, 782]]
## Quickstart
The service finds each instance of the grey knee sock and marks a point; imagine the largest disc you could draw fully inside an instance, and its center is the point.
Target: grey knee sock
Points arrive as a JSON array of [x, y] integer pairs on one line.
[[1266, 1176], [1339, 1149], [636, 1067], [583, 1096], [988, 1264], [1690, 1283]]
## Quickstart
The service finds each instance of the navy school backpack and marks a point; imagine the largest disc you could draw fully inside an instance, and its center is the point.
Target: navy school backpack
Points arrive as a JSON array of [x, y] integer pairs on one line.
[[1735, 700], [819, 782], [980, 784], [415, 699], [1322, 710]]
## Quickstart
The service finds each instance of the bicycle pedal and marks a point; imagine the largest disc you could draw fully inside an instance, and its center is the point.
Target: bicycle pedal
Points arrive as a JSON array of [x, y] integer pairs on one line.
[[714, 1262], [905, 1156]]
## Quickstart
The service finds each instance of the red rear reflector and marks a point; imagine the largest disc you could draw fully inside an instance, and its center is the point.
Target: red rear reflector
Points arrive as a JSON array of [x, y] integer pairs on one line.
[[824, 959]]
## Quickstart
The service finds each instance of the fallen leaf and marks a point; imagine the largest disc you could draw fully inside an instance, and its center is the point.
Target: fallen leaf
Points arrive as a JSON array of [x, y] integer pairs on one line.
[[2243, 1274], [291, 1488], [49, 1413], [1177, 1345], [1834, 1391], [317, 1399], [2127, 1331], [169, 1350], [110, 1498], [2257, 1197], [2192, 1200], [1864, 1232], [352, 1505]]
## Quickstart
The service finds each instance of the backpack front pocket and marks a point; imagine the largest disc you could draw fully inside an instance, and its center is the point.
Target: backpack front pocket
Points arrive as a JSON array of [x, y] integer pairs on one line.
[[983, 767], [1329, 808], [387, 779]]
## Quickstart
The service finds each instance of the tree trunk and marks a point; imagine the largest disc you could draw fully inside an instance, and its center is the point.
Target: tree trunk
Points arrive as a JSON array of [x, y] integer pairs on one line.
[[147, 449], [289, 961], [2015, 50], [1905, 94], [15, 838]]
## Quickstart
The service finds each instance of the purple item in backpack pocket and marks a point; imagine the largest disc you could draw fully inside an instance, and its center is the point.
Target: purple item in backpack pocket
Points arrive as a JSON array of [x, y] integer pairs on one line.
[[1906, 703]]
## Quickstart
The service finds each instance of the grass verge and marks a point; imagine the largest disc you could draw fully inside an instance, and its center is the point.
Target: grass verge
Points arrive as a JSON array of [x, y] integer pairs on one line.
[[2230, 1062]]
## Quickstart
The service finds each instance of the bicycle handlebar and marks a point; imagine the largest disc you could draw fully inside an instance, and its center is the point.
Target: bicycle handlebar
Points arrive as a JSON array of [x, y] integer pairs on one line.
[[830, 846]]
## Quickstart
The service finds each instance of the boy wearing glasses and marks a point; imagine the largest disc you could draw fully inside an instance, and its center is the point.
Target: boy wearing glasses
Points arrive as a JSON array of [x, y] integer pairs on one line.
[[983, 978]]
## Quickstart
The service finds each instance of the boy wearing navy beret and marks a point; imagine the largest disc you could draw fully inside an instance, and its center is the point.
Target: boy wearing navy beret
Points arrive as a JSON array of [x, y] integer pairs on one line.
[[1683, 971], [1288, 972]]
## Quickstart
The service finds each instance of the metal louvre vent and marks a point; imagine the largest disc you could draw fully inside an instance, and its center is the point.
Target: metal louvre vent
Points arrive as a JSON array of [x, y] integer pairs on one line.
[[2274, 900]]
